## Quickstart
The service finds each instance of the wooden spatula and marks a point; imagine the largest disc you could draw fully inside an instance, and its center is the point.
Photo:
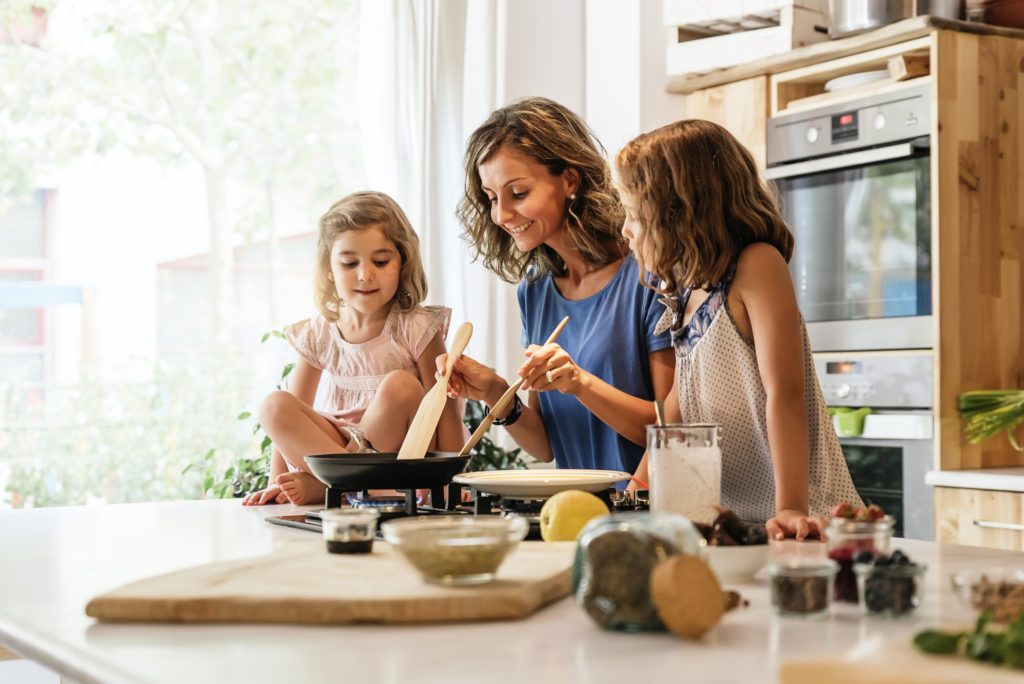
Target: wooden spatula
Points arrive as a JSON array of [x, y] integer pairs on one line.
[[506, 398], [424, 423]]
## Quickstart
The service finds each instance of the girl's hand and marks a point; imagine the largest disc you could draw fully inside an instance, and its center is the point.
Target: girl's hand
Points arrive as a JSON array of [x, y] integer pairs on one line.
[[792, 523], [470, 379], [271, 495], [550, 367]]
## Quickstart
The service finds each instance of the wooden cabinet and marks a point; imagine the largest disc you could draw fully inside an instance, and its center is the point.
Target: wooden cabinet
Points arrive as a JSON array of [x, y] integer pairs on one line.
[[980, 517], [740, 106]]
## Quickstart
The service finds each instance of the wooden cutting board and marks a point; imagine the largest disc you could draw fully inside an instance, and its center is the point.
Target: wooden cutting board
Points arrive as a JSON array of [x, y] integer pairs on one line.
[[893, 661], [300, 583]]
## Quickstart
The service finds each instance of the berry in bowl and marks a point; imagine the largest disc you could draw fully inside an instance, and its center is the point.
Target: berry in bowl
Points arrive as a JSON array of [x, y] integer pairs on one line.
[[888, 585]]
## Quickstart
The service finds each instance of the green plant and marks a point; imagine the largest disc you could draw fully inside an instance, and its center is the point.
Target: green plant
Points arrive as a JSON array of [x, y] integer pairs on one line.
[[486, 455], [999, 647], [245, 475], [989, 412]]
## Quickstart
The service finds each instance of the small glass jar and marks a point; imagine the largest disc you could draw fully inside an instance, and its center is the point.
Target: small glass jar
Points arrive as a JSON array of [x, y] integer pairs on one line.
[[889, 590], [802, 586], [844, 538], [614, 558], [349, 530]]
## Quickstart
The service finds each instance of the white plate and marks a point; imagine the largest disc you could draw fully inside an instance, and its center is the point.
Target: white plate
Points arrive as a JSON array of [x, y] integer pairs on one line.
[[538, 484], [860, 78]]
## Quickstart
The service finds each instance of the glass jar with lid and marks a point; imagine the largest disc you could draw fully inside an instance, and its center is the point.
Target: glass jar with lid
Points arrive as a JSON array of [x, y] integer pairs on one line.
[[845, 538], [614, 558]]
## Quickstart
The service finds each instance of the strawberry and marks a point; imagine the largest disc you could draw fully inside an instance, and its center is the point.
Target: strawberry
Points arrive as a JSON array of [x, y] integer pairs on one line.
[[842, 510], [863, 515], [876, 512]]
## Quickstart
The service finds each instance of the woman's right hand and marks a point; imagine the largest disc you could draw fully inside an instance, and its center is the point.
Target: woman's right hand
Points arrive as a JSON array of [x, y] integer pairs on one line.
[[471, 379], [271, 495]]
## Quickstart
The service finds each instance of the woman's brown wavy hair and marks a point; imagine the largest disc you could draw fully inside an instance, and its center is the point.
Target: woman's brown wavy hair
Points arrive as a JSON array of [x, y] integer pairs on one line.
[[700, 200], [554, 136], [359, 211]]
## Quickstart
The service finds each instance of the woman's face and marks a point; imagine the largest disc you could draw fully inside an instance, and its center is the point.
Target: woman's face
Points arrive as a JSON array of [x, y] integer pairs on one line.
[[527, 201]]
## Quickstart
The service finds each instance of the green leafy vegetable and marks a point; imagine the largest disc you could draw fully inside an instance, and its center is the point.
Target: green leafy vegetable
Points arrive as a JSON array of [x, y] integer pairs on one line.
[[984, 645], [989, 412]]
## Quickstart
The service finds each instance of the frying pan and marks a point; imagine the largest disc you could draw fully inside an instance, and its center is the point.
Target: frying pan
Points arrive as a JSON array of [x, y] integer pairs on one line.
[[353, 472]]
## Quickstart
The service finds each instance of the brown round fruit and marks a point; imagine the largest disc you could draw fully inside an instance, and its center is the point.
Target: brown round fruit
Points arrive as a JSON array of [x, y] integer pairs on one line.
[[687, 596]]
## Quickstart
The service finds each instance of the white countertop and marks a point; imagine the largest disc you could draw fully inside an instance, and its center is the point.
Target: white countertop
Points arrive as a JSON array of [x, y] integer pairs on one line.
[[1001, 479], [56, 559]]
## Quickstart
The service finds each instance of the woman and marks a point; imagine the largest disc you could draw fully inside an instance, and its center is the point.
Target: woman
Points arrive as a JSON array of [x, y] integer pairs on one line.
[[540, 210]]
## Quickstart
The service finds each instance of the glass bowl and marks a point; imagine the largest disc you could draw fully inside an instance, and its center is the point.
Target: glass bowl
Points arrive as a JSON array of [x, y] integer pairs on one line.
[[889, 590], [737, 564], [802, 586], [998, 590], [456, 550]]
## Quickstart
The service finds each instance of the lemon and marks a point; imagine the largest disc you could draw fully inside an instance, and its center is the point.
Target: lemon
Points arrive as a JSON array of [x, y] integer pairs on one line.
[[566, 512]]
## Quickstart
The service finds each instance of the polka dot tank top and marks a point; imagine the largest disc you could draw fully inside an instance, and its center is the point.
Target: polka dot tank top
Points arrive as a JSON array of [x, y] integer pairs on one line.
[[719, 383]]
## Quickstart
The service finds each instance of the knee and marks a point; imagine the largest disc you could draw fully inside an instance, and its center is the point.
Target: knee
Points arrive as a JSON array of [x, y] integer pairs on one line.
[[275, 406], [400, 387]]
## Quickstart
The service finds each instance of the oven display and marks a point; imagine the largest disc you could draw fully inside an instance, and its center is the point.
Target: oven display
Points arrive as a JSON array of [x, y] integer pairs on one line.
[[843, 367], [844, 126]]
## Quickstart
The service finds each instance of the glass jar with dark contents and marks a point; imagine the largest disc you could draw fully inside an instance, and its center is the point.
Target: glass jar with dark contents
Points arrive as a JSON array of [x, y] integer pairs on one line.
[[802, 586], [889, 586], [349, 530], [615, 555], [846, 538]]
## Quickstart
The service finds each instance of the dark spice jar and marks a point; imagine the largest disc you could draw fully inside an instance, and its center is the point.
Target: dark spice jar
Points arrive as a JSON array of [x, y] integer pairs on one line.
[[802, 586], [614, 559]]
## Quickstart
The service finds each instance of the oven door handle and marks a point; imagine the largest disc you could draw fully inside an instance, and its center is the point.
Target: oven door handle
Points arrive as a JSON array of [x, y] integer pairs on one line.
[[841, 161]]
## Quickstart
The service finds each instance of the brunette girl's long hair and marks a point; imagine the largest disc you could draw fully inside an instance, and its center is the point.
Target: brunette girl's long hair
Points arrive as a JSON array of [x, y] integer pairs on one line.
[[700, 200]]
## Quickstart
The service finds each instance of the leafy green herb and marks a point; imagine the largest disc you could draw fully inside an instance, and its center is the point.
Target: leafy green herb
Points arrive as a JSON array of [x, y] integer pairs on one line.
[[937, 643], [989, 412], [996, 647]]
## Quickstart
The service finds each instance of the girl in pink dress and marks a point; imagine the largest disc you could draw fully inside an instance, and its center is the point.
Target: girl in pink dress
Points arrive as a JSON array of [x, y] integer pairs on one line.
[[371, 337]]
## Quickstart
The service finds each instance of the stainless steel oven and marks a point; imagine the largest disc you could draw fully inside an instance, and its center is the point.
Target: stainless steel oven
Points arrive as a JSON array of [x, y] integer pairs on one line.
[[854, 187], [883, 414]]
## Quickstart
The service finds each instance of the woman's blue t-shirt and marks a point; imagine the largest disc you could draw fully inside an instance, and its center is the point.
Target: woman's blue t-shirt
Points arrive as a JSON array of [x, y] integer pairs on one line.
[[610, 335]]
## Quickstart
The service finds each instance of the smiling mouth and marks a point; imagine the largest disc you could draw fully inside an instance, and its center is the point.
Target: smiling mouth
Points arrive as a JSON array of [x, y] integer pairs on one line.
[[520, 229], [366, 292]]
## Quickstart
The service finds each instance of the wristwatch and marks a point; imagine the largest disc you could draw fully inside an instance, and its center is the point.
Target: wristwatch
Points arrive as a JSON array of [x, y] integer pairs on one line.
[[513, 415]]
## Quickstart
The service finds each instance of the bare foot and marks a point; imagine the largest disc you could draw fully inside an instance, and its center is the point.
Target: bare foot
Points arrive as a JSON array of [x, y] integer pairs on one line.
[[270, 495], [302, 488]]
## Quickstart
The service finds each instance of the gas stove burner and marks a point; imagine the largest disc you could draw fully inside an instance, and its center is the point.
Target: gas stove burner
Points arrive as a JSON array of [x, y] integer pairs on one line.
[[521, 506], [384, 504]]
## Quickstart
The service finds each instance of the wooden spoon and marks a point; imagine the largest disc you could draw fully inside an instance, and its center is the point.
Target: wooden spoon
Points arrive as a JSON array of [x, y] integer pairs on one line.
[[505, 399], [424, 423]]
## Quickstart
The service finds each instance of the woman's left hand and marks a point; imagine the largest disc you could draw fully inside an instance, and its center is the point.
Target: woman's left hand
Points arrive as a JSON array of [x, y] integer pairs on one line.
[[549, 367], [793, 523]]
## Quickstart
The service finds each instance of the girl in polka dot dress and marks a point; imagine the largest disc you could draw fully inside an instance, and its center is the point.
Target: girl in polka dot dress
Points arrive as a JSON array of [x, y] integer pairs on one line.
[[699, 218]]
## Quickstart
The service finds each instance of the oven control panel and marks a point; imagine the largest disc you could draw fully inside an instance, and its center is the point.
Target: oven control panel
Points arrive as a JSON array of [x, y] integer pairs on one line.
[[868, 122], [882, 380]]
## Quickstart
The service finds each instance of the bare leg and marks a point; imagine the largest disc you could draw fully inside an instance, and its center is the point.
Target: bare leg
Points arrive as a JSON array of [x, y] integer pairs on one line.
[[391, 410], [297, 430]]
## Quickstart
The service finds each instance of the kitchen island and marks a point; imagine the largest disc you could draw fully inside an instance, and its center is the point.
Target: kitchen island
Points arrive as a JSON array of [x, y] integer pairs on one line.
[[56, 559]]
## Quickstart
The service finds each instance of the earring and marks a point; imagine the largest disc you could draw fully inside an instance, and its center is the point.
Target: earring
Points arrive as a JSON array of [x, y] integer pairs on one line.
[[572, 197]]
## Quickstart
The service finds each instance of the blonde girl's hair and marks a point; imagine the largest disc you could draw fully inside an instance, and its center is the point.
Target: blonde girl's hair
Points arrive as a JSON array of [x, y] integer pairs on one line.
[[554, 136], [700, 200], [359, 211]]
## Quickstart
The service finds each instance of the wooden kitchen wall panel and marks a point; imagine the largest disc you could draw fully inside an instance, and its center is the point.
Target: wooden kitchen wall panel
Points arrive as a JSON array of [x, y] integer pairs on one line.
[[978, 231], [957, 512], [741, 106]]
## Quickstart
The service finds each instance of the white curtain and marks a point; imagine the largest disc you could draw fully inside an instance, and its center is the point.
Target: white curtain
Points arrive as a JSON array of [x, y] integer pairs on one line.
[[430, 72]]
